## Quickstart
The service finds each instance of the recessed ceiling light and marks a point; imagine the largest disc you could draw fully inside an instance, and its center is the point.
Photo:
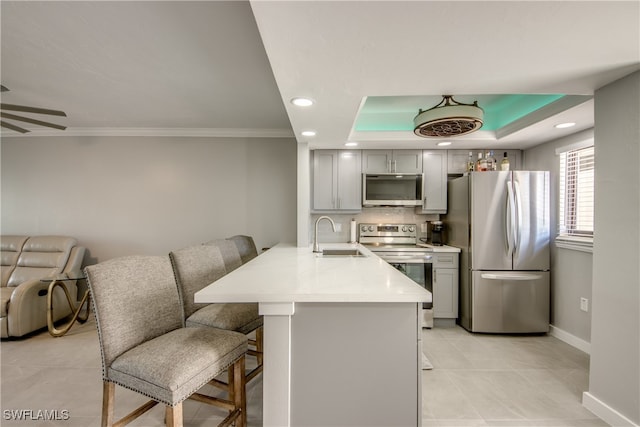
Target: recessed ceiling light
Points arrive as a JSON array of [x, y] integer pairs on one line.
[[443, 143], [302, 102], [308, 133], [351, 144], [564, 125]]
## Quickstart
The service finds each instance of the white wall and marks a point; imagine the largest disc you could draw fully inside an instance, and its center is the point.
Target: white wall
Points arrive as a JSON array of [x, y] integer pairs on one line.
[[142, 195], [571, 276], [614, 379]]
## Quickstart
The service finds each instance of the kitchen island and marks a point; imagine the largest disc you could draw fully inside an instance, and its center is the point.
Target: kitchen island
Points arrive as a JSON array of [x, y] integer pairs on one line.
[[342, 339]]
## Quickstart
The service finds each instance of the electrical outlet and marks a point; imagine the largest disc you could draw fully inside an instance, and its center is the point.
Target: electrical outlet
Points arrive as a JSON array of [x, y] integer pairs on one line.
[[584, 304]]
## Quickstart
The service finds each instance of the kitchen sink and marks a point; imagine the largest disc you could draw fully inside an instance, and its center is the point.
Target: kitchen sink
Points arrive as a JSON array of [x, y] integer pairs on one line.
[[342, 252]]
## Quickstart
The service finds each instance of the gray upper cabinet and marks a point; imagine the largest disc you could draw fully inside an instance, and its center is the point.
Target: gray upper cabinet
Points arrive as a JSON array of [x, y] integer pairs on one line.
[[392, 161], [337, 183], [434, 163]]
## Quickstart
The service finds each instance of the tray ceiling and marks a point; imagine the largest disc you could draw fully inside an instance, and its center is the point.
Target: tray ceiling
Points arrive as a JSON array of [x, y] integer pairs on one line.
[[230, 68]]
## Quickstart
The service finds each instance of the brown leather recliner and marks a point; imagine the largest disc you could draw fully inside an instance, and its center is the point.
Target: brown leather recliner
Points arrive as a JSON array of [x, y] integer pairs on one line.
[[23, 294]]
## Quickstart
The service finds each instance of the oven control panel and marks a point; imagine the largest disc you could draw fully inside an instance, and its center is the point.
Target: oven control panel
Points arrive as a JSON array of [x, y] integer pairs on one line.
[[388, 230]]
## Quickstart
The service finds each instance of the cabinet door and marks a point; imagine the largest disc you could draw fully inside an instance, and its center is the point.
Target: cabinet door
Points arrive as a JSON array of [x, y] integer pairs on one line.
[[458, 159], [407, 161], [325, 176], [349, 180], [376, 161], [434, 163], [445, 293]]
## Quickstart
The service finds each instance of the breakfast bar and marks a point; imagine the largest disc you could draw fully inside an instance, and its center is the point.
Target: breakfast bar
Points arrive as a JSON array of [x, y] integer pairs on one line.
[[342, 341]]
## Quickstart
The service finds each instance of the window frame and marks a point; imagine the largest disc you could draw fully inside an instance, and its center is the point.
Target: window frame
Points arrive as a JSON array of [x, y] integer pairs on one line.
[[582, 240]]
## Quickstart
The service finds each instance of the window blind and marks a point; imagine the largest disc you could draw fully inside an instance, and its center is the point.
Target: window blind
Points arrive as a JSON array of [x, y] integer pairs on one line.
[[576, 193]]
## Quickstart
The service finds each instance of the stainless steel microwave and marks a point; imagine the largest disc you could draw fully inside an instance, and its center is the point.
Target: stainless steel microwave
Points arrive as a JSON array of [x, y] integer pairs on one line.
[[392, 189]]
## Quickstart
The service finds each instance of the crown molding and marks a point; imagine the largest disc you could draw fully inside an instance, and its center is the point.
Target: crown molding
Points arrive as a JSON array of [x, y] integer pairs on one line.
[[159, 132]]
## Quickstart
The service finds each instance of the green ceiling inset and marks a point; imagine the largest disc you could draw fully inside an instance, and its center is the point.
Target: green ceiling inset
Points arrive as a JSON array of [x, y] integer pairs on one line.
[[396, 113]]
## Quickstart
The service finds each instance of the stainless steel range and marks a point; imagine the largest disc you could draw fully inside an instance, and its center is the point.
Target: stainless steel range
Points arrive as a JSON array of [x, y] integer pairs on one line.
[[398, 245]]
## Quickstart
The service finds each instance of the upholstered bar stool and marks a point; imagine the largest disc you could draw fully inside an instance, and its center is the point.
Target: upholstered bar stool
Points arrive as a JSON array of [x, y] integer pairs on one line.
[[198, 266], [229, 251], [246, 247], [233, 259], [248, 251], [145, 347]]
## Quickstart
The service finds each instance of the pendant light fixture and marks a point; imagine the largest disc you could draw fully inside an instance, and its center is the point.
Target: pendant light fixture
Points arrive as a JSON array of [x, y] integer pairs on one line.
[[448, 118]]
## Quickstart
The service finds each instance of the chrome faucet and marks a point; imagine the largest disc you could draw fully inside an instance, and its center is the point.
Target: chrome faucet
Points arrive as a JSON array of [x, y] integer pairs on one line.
[[316, 247]]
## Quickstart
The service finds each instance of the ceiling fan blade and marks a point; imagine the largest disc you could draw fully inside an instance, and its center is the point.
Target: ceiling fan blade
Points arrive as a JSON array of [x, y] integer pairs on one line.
[[32, 121], [36, 110], [12, 127]]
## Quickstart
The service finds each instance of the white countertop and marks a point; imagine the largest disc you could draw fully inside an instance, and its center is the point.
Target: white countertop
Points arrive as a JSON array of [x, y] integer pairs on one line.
[[286, 273]]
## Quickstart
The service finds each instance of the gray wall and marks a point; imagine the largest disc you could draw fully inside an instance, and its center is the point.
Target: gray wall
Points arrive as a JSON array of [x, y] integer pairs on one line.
[[571, 276], [615, 338], [145, 195]]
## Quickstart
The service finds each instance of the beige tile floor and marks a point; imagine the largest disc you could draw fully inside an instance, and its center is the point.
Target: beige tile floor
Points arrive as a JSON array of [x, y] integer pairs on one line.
[[477, 380], [497, 380], [40, 372]]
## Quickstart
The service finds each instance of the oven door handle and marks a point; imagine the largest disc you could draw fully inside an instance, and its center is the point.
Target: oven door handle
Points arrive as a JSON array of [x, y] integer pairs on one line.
[[418, 259]]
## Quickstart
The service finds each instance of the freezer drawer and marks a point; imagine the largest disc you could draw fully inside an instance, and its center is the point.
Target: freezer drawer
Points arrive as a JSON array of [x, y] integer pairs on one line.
[[510, 301]]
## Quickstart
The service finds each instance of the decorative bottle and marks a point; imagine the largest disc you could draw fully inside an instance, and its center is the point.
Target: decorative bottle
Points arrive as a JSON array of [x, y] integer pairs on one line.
[[481, 164], [492, 165], [504, 164], [471, 165]]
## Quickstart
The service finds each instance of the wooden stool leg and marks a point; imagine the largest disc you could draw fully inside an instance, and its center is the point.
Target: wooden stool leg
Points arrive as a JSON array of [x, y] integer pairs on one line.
[[108, 392], [231, 383], [239, 388], [259, 344], [173, 415]]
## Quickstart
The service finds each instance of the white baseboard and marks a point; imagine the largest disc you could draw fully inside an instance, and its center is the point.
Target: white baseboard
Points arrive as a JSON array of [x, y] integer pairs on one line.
[[572, 340], [605, 412]]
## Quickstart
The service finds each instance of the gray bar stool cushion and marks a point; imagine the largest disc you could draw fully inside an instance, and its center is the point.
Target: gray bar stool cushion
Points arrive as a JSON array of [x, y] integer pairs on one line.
[[201, 353], [239, 317]]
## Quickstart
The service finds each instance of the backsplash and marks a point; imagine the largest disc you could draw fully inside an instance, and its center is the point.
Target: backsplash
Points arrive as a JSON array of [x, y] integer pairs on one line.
[[368, 215]]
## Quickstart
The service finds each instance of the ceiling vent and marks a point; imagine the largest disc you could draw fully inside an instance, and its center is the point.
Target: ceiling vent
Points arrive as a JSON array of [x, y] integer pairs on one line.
[[448, 118]]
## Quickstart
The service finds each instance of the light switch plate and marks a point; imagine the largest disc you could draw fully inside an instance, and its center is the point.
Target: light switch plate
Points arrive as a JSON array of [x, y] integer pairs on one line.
[[584, 304]]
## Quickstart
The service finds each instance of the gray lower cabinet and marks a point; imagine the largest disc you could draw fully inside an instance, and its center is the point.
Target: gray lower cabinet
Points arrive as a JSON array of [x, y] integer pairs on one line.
[[445, 286], [356, 365], [337, 181], [434, 164]]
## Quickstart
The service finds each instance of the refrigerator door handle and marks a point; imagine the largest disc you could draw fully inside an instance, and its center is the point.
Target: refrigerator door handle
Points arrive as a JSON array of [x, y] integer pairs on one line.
[[518, 213], [511, 276], [511, 219]]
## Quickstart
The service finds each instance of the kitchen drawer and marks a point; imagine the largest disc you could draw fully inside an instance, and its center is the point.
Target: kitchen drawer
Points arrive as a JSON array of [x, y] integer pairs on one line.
[[448, 260]]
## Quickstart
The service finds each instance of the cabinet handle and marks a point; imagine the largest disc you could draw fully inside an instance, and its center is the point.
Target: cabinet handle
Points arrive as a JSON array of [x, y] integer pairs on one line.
[[389, 166], [510, 276], [395, 166]]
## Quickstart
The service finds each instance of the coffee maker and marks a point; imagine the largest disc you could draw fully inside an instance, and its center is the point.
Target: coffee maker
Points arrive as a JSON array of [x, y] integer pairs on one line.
[[437, 233]]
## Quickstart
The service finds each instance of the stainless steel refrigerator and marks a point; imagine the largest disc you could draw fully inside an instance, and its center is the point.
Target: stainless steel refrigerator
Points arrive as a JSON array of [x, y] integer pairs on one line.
[[500, 220]]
